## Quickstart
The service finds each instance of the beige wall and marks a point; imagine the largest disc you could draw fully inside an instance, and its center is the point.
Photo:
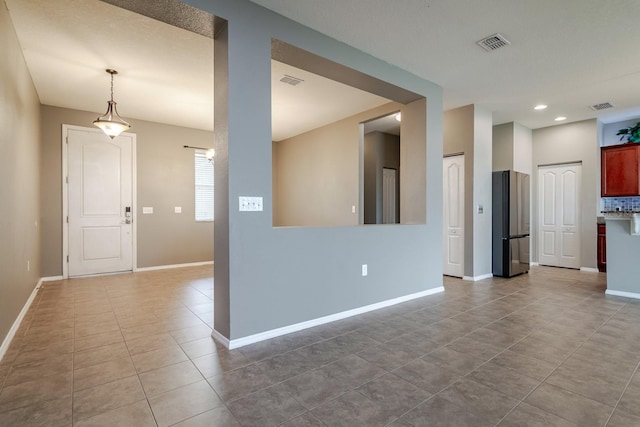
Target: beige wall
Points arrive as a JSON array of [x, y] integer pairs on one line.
[[573, 142], [503, 147], [19, 178], [522, 148], [371, 154], [381, 150], [458, 139], [165, 179], [413, 169], [468, 131], [512, 147], [317, 179]]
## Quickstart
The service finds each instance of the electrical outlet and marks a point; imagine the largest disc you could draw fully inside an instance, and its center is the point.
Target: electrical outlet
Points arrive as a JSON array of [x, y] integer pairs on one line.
[[353, 209], [147, 210], [480, 209], [364, 270], [177, 209]]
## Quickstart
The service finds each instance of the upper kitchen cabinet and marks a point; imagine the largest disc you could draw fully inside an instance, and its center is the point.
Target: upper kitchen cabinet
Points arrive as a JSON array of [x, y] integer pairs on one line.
[[620, 170]]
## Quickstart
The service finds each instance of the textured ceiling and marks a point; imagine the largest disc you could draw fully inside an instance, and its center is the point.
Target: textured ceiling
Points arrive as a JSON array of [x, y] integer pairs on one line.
[[165, 65], [568, 54], [165, 72]]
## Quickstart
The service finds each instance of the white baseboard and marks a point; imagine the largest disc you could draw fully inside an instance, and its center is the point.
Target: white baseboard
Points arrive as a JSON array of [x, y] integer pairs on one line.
[[51, 278], [251, 339], [533, 263], [220, 338], [476, 278], [589, 269], [622, 294], [164, 267], [14, 328]]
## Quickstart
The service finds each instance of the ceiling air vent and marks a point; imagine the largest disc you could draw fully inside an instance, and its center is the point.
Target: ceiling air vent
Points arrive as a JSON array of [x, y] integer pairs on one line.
[[601, 106], [493, 42], [290, 80]]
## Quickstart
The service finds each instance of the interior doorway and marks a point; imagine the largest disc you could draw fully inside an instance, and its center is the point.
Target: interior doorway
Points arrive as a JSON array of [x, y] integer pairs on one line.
[[99, 224], [559, 221], [453, 215]]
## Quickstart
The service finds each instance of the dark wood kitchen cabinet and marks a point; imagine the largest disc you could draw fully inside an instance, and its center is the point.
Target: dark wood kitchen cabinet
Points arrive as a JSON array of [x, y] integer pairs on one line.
[[602, 248], [620, 175]]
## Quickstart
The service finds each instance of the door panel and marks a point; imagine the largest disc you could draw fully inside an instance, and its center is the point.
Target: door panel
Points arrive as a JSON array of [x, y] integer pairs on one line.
[[559, 215], [100, 188], [549, 243], [569, 208], [549, 201], [453, 216], [455, 246]]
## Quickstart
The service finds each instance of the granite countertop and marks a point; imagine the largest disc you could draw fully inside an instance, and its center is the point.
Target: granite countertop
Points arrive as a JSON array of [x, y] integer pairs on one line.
[[632, 216], [620, 214]]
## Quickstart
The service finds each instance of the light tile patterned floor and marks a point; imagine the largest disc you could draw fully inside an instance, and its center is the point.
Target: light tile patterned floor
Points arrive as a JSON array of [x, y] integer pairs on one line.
[[545, 348]]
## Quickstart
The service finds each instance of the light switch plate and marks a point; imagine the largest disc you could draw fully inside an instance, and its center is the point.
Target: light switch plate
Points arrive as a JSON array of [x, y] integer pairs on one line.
[[147, 210], [250, 204]]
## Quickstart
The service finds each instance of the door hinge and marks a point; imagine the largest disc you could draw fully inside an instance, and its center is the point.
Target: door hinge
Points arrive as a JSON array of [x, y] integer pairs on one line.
[[67, 258], [67, 179], [67, 219], [66, 139]]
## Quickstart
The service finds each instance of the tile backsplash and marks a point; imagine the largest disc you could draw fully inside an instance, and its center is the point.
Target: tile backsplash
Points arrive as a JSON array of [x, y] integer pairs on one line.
[[623, 203]]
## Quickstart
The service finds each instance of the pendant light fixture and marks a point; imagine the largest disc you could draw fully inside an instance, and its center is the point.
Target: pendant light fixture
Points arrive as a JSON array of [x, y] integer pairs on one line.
[[111, 123]]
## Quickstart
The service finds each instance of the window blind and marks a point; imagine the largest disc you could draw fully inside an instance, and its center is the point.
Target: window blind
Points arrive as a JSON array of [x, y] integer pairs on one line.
[[204, 187]]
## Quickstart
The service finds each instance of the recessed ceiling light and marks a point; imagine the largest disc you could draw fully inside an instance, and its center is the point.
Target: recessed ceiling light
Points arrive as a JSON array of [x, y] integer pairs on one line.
[[540, 107], [560, 118]]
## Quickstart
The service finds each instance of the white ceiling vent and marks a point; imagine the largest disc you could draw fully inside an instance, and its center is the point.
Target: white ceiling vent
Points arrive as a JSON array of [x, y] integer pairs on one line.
[[493, 42], [601, 106], [290, 80]]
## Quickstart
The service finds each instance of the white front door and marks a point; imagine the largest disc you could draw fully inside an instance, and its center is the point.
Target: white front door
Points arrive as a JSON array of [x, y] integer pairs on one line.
[[100, 202], [453, 216], [389, 196], [559, 190]]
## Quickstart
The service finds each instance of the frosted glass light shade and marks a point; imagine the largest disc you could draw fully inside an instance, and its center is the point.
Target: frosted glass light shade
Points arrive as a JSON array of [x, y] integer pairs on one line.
[[111, 123]]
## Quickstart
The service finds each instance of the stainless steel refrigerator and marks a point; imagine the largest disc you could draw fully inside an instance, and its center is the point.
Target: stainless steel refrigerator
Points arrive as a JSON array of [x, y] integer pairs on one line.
[[511, 223]]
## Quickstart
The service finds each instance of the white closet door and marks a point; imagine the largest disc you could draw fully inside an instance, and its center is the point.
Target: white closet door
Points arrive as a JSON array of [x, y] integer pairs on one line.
[[559, 215]]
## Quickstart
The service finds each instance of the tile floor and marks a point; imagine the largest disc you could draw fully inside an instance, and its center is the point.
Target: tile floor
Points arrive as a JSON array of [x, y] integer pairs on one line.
[[546, 348]]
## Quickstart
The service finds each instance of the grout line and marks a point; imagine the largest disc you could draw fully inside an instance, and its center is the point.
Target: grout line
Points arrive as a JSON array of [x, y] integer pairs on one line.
[[133, 364], [559, 365], [430, 324], [392, 315], [623, 392], [515, 343]]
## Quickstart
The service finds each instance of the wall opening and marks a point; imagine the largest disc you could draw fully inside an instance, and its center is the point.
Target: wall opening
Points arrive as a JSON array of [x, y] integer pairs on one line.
[[327, 123]]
